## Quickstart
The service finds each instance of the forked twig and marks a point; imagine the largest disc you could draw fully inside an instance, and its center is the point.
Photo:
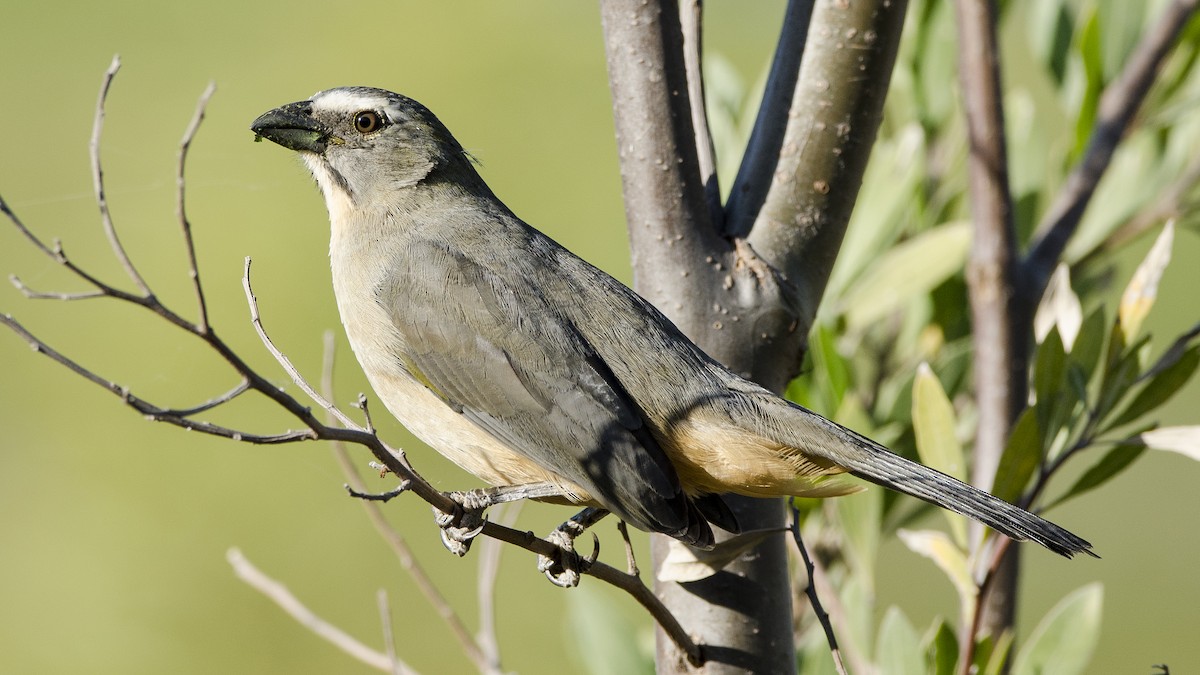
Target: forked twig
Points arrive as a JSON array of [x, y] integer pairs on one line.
[[98, 180], [180, 209]]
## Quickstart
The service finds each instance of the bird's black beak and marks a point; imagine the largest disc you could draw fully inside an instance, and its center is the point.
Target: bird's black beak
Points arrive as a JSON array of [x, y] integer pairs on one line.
[[292, 126]]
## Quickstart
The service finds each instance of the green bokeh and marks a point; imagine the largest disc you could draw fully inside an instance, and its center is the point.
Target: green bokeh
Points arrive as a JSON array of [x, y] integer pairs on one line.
[[114, 530]]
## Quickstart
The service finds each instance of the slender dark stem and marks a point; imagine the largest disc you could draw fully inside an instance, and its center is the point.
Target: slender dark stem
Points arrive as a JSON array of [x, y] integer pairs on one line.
[[810, 589], [1117, 107]]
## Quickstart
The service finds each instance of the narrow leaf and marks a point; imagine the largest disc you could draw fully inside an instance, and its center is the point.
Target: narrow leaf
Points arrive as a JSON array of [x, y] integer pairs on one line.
[[1064, 640], [1184, 440], [937, 440], [1090, 343], [1020, 458], [941, 652], [1142, 290], [1161, 387], [1114, 462]]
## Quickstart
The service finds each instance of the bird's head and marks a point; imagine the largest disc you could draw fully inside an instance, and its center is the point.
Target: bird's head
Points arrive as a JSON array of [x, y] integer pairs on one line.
[[363, 144]]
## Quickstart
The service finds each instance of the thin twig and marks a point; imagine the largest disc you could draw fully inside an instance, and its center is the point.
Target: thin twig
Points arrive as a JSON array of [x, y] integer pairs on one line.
[[630, 560], [281, 596], [283, 359], [810, 589], [389, 635], [489, 568], [650, 602], [98, 180], [1114, 115], [241, 388], [181, 211]]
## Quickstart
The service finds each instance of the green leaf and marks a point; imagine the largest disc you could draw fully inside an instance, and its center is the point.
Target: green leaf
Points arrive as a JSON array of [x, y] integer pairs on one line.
[[1160, 387], [1090, 343], [605, 639], [941, 651], [1065, 638], [937, 441], [1020, 459], [911, 268], [1140, 294], [949, 558], [1091, 56], [835, 374], [1114, 462], [997, 655], [898, 647], [1055, 400]]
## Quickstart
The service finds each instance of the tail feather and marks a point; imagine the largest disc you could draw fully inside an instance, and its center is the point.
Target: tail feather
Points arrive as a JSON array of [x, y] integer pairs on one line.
[[870, 461], [883, 467]]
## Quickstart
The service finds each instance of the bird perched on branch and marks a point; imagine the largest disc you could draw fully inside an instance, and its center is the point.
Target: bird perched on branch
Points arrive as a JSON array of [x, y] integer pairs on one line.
[[525, 365]]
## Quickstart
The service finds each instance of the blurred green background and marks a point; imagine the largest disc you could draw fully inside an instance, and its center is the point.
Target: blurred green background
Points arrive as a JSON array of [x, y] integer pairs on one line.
[[114, 530]]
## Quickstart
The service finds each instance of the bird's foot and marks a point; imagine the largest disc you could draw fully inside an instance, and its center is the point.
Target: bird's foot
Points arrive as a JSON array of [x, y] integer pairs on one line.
[[564, 568], [465, 523]]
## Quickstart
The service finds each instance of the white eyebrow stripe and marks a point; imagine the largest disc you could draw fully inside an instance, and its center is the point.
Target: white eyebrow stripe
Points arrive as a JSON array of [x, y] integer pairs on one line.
[[347, 101]]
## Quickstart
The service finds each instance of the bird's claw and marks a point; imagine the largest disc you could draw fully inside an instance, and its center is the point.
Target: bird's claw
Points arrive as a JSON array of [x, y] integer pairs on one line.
[[564, 568], [464, 524]]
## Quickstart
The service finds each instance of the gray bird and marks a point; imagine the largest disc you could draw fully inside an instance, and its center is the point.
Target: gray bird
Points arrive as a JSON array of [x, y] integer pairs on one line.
[[523, 364]]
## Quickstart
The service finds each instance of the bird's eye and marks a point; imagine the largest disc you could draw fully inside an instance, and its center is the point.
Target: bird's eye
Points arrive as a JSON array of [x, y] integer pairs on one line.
[[367, 121]]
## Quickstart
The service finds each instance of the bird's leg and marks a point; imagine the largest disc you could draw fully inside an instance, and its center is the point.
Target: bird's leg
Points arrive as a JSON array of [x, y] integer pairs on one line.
[[466, 522], [564, 568]]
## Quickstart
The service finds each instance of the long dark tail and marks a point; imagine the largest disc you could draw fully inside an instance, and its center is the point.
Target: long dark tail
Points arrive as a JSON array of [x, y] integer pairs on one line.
[[870, 461], [883, 467]]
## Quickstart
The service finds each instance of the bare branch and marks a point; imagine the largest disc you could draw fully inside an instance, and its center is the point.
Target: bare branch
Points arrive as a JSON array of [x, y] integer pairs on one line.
[[57, 254], [281, 596], [810, 589], [241, 388], [52, 295], [181, 185], [98, 181], [1114, 115]]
